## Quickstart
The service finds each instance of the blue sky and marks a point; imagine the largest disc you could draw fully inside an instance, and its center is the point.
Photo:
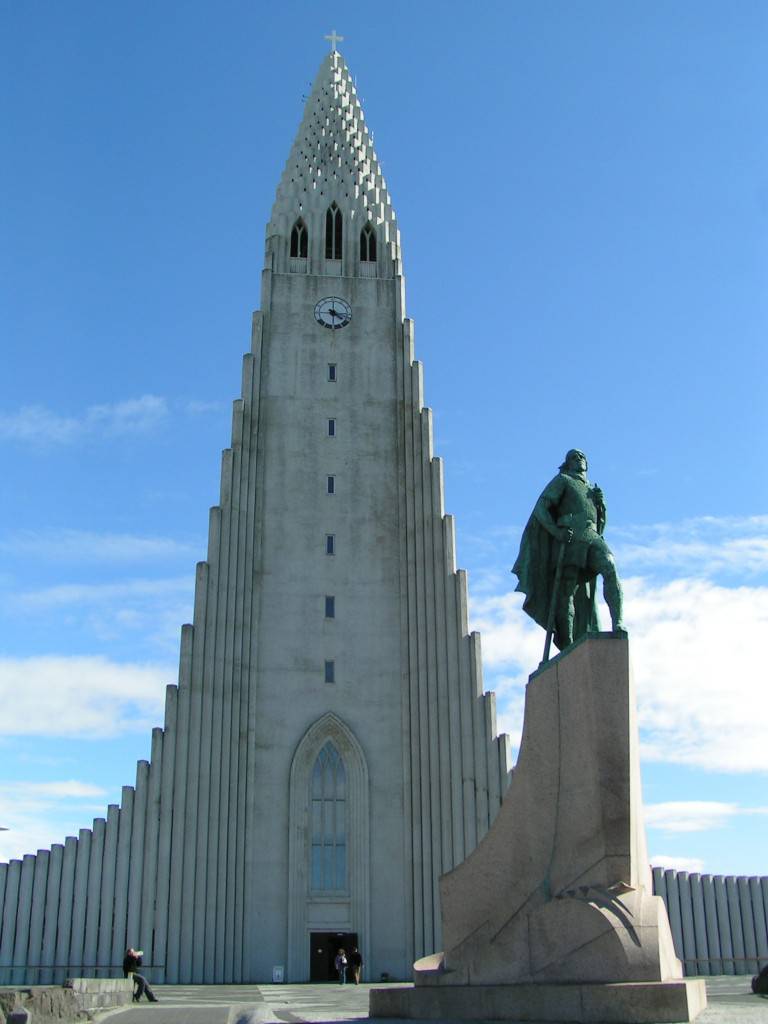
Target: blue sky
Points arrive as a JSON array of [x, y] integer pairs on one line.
[[583, 199]]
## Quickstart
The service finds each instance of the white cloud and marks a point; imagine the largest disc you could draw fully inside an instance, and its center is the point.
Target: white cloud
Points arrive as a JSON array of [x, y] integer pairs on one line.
[[196, 407], [84, 546], [37, 425], [693, 865], [57, 789], [694, 815], [63, 594], [38, 814], [80, 696], [145, 614], [700, 546], [698, 656]]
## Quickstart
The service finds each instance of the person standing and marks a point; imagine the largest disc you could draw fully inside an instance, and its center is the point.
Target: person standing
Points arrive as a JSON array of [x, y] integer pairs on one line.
[[356, 963], [131, 964], [340, 963]]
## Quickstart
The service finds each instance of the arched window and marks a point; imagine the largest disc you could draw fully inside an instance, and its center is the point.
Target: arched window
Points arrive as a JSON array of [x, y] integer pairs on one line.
[[328, 866], [299, 239], [333, 233], [367, 245]]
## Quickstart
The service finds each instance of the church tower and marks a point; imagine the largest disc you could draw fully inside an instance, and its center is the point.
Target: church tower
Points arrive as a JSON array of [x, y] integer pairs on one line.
[[328, 752]]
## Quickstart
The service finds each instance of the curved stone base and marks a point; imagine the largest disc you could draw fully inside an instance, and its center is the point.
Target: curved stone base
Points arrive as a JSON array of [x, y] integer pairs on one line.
[[625, 1003]]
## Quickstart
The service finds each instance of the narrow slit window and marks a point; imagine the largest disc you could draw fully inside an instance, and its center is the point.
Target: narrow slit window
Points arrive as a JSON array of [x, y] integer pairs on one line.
[[330, 606], [299, 239], [368, 245], [330, 544], [332, 371], [331, 428], [330, 671], [331, 484], [333, 234]]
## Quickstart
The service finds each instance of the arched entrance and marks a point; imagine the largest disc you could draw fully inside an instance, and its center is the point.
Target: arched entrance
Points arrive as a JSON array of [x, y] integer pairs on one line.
[[328, 842]]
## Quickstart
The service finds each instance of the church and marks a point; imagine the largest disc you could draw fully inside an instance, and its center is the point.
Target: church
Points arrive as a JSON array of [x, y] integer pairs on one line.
[[328, 751]]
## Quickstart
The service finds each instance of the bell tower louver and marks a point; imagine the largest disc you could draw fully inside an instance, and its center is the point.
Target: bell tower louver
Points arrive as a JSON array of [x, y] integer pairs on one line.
[[328, 751]]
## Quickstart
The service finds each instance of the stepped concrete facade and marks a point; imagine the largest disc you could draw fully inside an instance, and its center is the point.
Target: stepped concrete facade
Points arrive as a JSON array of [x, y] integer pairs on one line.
[[328, 751], [719, 923]]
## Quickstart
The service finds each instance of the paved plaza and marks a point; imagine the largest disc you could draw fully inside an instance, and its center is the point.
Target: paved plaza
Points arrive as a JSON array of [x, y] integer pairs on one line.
[[730, 1002]]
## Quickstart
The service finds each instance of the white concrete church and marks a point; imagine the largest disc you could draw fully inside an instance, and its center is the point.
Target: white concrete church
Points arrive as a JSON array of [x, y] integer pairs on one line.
[[328, 752]]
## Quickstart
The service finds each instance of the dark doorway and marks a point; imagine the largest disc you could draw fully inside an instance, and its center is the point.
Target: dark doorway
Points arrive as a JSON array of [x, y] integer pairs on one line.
[[323, 947]]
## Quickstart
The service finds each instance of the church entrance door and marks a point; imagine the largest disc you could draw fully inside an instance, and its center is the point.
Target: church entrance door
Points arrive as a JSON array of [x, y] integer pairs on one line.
[[323, 947]]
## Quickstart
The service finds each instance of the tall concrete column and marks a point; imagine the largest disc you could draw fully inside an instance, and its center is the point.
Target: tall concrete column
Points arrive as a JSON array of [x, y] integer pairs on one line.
[[93, 912], [50, 925]]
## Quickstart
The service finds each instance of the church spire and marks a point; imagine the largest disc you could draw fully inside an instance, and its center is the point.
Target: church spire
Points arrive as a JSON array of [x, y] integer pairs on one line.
[[332, 161]]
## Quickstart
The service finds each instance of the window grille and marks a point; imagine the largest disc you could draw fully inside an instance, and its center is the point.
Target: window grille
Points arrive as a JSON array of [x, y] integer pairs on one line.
[[367, 245], [328, 858], [333, 233], [299, 240]]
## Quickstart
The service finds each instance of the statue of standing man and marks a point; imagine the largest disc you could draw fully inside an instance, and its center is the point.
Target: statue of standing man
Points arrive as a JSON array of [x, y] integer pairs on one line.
[[562, 553]]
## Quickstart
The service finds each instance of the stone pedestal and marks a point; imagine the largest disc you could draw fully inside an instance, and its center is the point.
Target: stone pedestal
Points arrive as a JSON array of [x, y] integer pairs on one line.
[[552, 917]]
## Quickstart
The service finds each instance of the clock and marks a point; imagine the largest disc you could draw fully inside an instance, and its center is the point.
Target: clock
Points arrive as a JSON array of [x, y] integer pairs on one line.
[[333, 313]]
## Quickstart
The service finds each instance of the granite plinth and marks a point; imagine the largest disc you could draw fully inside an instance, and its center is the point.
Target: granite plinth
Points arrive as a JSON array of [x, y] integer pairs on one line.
[[622, 1003], [554, 913]]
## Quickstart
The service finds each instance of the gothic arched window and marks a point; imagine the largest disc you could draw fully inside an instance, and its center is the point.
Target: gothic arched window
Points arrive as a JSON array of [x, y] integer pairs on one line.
[[328, 865], [367, 245], [333, 233], [299, 239]]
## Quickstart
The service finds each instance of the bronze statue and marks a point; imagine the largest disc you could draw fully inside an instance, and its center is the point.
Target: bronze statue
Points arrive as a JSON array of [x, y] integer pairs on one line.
[[562, 552]]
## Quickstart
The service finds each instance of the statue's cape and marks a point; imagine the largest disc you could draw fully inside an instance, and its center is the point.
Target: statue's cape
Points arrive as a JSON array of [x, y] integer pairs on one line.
[[535, 570]]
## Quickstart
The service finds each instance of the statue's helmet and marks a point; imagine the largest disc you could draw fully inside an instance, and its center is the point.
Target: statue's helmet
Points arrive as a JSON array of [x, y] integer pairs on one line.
[[570, 455]]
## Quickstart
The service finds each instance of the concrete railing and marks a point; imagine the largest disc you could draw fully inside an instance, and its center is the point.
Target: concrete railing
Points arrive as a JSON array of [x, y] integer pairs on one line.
[[719, 922]]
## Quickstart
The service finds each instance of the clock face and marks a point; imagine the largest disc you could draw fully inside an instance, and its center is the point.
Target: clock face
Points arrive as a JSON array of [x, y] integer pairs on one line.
[[333, 312]]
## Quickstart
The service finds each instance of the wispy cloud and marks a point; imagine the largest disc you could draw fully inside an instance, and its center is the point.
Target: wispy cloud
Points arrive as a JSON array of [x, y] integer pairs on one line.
[[37, 425], [696, 648], [80, 696], [84, 546], [695, 815], [689, 864], [63, 789], [122, 615], [703, 546], [38, 814], [196, 407], [63, 594]]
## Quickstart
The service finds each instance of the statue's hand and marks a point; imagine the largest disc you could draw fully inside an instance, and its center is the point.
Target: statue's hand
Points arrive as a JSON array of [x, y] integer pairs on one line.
[[564, 534]]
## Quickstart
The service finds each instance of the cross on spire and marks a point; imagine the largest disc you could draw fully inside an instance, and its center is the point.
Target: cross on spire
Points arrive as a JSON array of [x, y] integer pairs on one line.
[[333, 39]]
